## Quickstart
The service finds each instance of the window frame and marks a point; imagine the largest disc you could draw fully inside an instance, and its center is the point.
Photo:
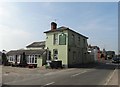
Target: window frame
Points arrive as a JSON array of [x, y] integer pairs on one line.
[[60, 43], [55, 38]]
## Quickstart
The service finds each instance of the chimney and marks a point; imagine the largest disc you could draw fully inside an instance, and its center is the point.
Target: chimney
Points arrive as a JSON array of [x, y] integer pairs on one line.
[[53, 26]]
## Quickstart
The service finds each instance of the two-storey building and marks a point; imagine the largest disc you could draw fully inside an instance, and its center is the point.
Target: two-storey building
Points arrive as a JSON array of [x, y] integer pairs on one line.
[[66, 45]]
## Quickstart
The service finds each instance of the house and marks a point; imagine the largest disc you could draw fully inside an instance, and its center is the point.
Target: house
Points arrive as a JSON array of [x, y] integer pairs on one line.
[[36, 45], [95, 51], [66, 45], [35, 55]]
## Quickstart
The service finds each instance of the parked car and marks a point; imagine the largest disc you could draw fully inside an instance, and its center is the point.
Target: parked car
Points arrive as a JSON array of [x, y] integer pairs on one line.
[[116, 60]]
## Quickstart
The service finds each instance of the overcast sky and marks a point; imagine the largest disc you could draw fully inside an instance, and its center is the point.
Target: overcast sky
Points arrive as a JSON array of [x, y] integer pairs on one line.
[[22, 23]]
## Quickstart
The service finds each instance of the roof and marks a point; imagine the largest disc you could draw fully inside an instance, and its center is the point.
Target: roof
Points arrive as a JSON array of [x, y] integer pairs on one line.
[[60, 29], [37, 44], [27, 52]]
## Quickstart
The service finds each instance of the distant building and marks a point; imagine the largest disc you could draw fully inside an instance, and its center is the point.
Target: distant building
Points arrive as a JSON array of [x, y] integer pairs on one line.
[[66, 45], [95, 51]]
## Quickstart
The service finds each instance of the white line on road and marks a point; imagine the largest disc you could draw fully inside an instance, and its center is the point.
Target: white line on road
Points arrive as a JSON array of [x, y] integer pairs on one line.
[[78, 73], [48, 84], [110, 77], [52, 73]]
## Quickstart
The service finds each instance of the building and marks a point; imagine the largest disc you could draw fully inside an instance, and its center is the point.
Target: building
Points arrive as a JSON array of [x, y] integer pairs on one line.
[[35, 55], [66, 45], [36, 45], [95, 51]]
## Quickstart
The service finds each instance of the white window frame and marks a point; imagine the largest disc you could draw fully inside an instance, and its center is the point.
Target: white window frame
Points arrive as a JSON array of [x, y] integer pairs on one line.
[[55, 39], [11, 58], [32, 59]]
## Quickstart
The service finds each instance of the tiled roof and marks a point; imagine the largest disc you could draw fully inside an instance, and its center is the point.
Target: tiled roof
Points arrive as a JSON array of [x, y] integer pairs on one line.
[[27, 52], [37, 44], [60, 29]]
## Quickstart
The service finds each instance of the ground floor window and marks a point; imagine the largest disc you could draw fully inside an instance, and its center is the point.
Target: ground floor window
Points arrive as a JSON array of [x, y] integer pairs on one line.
[[31, 59], [11, 58], [14, 58], [55, 54]]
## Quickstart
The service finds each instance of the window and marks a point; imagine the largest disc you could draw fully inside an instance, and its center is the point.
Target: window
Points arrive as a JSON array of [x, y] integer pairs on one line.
[[10, 58], [73, 39], [18, 58], [74, 55], [55, 54], [55, 41], [62, 39], [35, 59], [83, 42], [32, 59], [78, 40]]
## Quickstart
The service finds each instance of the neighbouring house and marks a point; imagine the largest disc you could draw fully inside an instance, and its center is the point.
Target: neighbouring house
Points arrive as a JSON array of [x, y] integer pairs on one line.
[[36, 45], [35, 55], [35, 58], [95, 51], [67, 45]]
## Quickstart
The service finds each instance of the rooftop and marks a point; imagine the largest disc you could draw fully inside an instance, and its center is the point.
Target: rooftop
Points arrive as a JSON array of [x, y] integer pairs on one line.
[[60, 29], [36, 44], [27, 52]]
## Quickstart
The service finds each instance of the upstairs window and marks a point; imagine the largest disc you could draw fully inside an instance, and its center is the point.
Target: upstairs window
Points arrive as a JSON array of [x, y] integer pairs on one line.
[[73, 39], [62, 39], [55, 41], [78, 40], [83, 42]]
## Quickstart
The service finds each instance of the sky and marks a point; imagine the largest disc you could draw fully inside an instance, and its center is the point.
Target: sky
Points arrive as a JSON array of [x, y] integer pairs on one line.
[[22, 23]]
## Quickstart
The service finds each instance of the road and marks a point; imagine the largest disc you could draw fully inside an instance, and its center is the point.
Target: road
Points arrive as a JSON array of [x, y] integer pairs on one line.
[[102, 74]]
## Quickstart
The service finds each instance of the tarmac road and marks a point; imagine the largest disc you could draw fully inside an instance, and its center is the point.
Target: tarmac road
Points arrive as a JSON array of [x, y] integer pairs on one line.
[[103, 74]]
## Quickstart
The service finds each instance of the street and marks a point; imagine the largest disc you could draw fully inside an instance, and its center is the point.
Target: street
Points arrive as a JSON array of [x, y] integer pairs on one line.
[[103, 74]]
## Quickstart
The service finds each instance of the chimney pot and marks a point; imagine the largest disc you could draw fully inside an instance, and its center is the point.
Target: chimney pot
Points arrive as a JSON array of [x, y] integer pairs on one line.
[[53, 26]]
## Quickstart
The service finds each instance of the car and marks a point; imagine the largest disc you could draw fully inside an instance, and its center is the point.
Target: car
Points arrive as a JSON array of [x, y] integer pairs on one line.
[[116, 60]]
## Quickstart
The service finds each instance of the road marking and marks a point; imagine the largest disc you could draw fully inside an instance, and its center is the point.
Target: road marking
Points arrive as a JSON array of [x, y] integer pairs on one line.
[[52, 73], [48, 84], [78, 74], [110, 77]]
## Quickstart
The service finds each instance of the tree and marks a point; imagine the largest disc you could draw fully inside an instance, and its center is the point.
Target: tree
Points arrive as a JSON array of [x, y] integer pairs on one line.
[[4, 59], [23, 61]]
